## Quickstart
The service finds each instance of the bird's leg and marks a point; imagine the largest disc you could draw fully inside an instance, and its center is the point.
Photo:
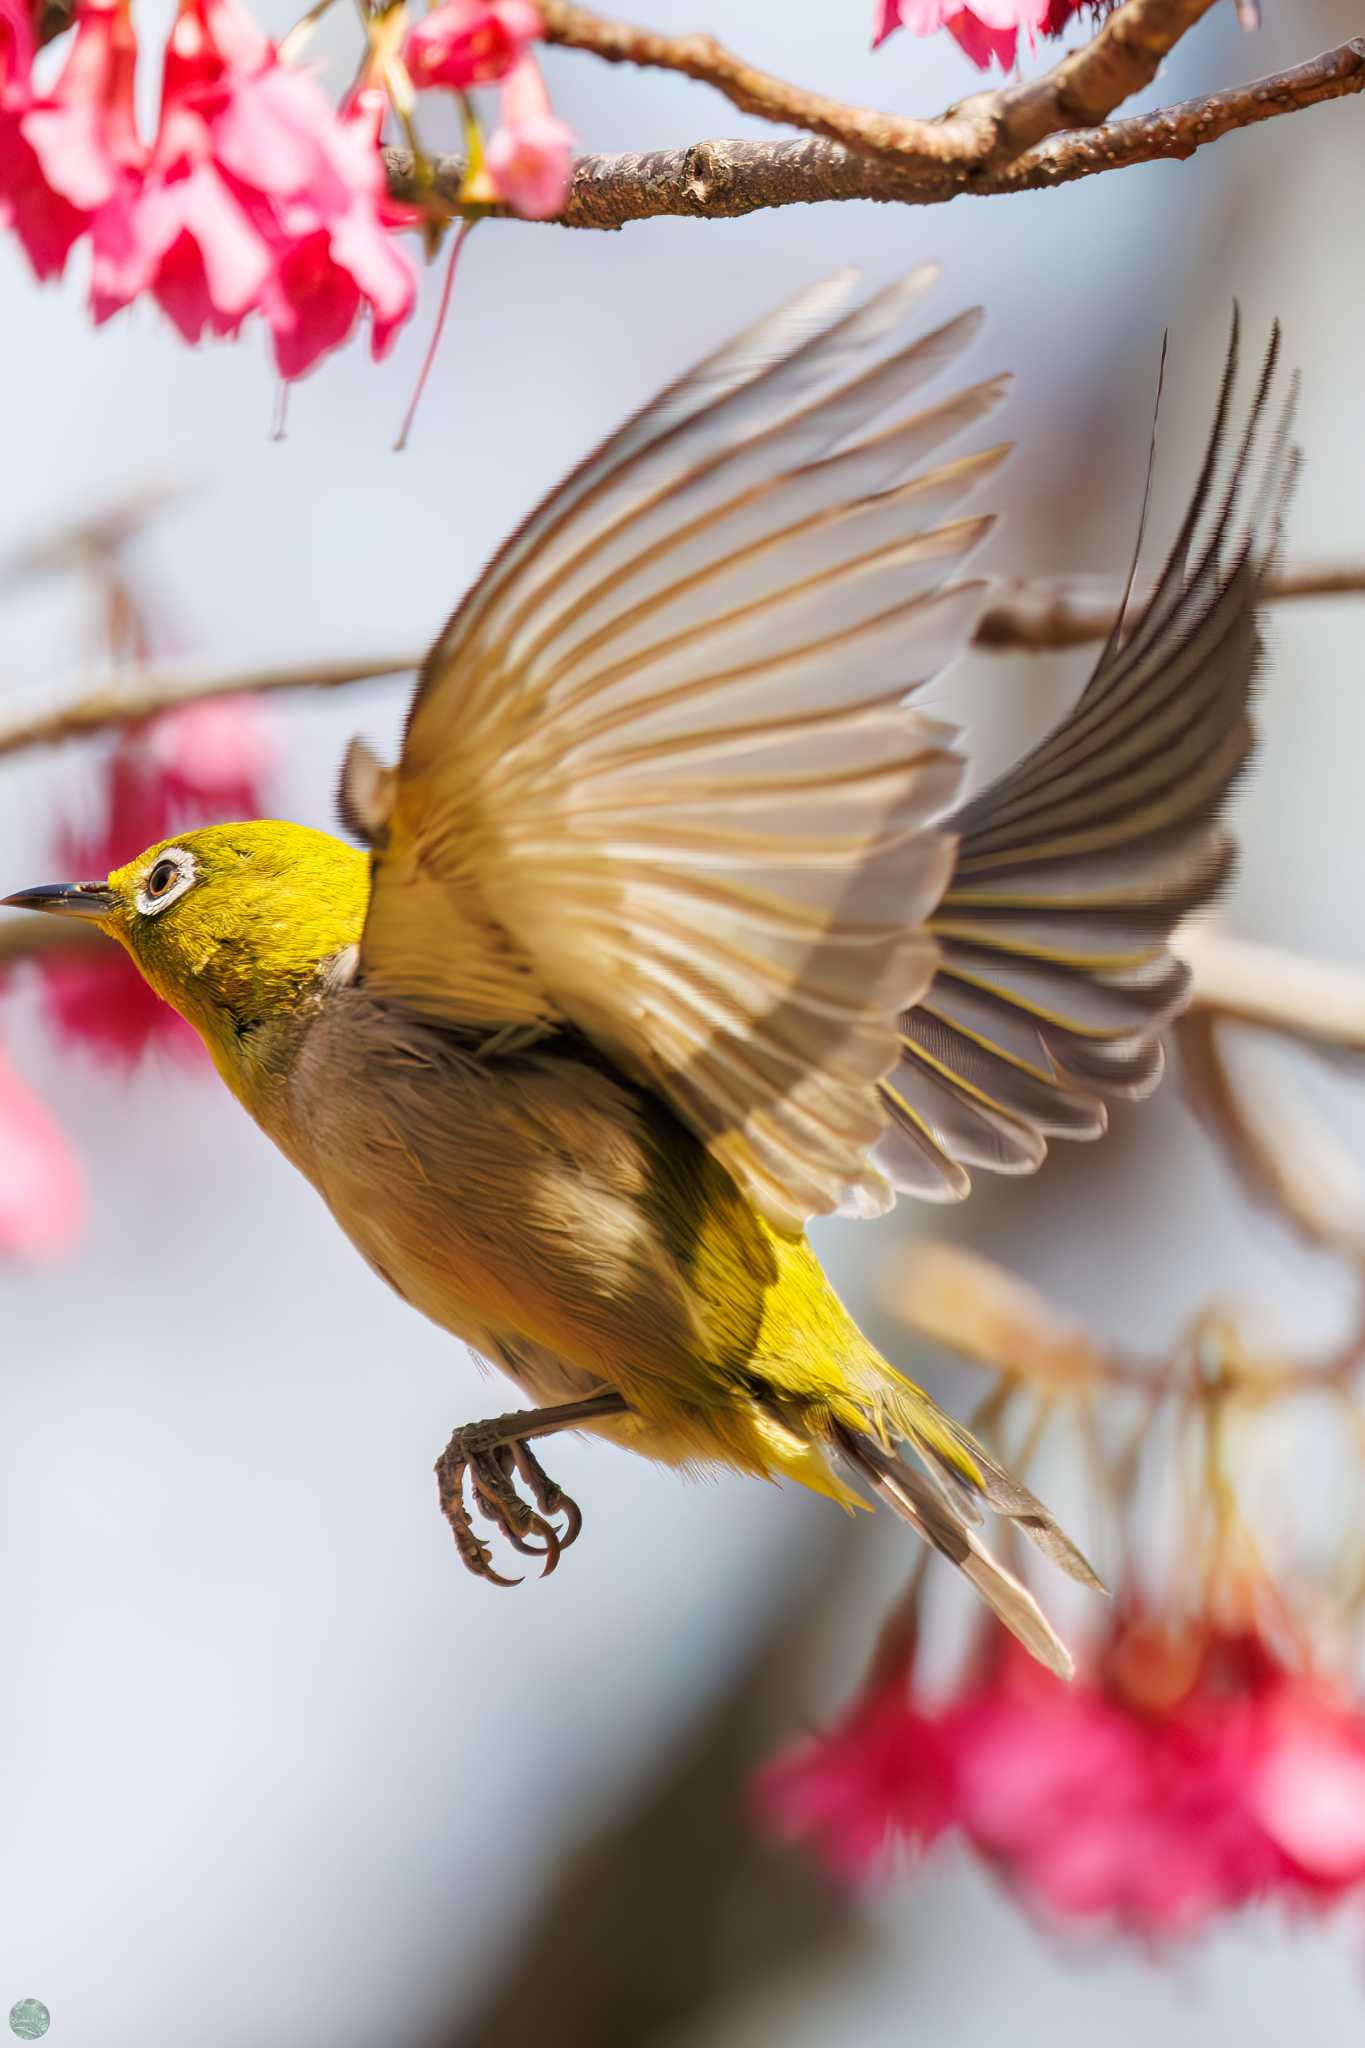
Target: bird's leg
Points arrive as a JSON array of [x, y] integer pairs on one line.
[[490, 1452]]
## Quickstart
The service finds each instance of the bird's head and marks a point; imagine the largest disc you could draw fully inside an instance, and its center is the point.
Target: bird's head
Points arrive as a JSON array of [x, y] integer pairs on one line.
[[236, 926]]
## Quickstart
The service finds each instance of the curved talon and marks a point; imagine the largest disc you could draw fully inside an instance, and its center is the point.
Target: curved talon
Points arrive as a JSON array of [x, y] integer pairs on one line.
[[489, 1468], [549, 1497]]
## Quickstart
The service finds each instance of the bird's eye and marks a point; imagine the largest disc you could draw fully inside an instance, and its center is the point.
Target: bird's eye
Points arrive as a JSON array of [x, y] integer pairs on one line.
[[168, 878]]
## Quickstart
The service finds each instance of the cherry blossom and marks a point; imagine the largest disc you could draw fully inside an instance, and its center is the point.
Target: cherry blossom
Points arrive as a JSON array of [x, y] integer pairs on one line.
[[530, 154], [1193, 1770], [46, 224], [464, 43], [42, 1200], [987, 29]]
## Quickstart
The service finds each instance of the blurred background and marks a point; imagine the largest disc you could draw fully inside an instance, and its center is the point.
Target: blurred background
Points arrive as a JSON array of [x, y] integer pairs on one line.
[[274, 1768]]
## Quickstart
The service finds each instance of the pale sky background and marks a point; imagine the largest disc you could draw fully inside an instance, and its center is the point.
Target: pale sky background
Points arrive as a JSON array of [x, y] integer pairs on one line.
[[274, 1769]]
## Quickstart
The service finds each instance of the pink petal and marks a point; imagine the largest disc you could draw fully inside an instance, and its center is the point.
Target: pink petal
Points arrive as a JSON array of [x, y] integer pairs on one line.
[[1309, 1791], [42, 1201], [530, 165]]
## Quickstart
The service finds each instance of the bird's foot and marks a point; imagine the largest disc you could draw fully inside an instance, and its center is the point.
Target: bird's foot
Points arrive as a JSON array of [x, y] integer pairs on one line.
[[492, 1458]]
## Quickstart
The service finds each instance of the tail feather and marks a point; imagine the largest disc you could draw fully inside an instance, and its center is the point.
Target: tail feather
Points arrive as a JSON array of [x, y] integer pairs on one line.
[[924, 1505]]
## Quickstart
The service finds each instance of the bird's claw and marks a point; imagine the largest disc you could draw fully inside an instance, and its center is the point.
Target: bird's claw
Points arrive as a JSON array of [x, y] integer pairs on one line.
[[490, 1462]]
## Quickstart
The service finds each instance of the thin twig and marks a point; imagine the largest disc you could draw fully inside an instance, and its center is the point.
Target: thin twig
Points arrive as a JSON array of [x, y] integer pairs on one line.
[[725, 179], [1030, 619], [1042, 616], [150, 691]]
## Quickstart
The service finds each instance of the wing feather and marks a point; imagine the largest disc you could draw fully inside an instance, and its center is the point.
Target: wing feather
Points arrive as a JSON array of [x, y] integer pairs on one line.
[[1055, 979], [659, 781]]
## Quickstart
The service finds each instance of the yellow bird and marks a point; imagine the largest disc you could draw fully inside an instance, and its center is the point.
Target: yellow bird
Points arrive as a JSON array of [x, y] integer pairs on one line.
[[668, 937]]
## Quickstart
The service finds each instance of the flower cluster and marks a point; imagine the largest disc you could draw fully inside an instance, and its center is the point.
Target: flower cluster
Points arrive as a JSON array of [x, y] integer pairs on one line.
[[466, 43], [1193, 1771], [183, 768], [986, 29], [254, 196], [192, 767]]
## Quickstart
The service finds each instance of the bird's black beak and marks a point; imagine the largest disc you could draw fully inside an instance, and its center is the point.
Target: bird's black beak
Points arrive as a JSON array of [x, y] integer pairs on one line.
[[91, 900]]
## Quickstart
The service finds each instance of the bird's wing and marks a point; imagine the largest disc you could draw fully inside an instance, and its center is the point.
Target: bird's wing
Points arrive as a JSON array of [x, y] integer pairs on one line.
[[658, 779], [1056, 977]]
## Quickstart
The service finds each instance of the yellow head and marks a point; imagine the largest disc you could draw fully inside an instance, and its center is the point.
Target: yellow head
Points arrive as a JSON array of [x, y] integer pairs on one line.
[[237, 926]]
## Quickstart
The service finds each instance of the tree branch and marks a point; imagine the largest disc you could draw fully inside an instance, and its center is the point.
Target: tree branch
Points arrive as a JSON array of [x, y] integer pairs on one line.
[[722, 180], [991, 127], [1030, 619], [1042, 616], [148, 692]]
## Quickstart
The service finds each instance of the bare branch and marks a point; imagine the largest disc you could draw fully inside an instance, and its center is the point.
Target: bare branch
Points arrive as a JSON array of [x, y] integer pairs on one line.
[[148, 692], [1041, 617], [1313, 1001], [1029, 618], [722, 180]]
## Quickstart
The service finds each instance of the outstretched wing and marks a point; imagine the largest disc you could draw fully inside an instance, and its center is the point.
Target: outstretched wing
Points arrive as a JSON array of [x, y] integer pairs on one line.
[[659, 781], [1056, 977]]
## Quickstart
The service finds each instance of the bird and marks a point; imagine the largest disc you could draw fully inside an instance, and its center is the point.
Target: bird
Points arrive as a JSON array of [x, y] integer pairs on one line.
[[669, 930]]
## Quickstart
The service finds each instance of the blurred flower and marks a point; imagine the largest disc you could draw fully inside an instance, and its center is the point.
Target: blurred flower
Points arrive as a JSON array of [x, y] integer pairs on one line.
[[1194, 1771], [47, 224], [470, 42], [882, 1774], [197, 766], [530, 154], [986, 29], [42, 1203]]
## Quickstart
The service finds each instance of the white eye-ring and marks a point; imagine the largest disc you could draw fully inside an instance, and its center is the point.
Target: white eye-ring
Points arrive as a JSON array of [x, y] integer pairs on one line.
[[169, 876]]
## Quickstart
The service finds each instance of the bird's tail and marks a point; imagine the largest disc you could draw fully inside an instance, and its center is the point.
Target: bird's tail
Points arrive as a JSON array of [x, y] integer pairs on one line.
[[943, 1498]]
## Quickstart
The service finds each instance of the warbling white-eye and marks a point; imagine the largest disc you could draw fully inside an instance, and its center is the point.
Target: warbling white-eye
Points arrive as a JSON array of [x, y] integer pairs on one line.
[[668, 936]]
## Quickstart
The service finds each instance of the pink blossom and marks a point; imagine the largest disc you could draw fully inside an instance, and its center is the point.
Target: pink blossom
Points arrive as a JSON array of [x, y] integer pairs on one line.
[[183, 233], [47, 224], [530, 155], [42, 1201], [987, 29], [256, 194], [72, 150], [470, 42], [1192, 1771], [321, 201], [197, 766], [883, 1773]]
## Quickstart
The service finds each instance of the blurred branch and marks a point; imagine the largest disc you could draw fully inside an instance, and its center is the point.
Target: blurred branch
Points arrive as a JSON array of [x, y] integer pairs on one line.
[[672, 1914], [1042, 616], [1283, 1155], [26, 938], [90, 541], [724, 179], [1283, 1158], [1313, 1001], [149, 691], [1032, 618]]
